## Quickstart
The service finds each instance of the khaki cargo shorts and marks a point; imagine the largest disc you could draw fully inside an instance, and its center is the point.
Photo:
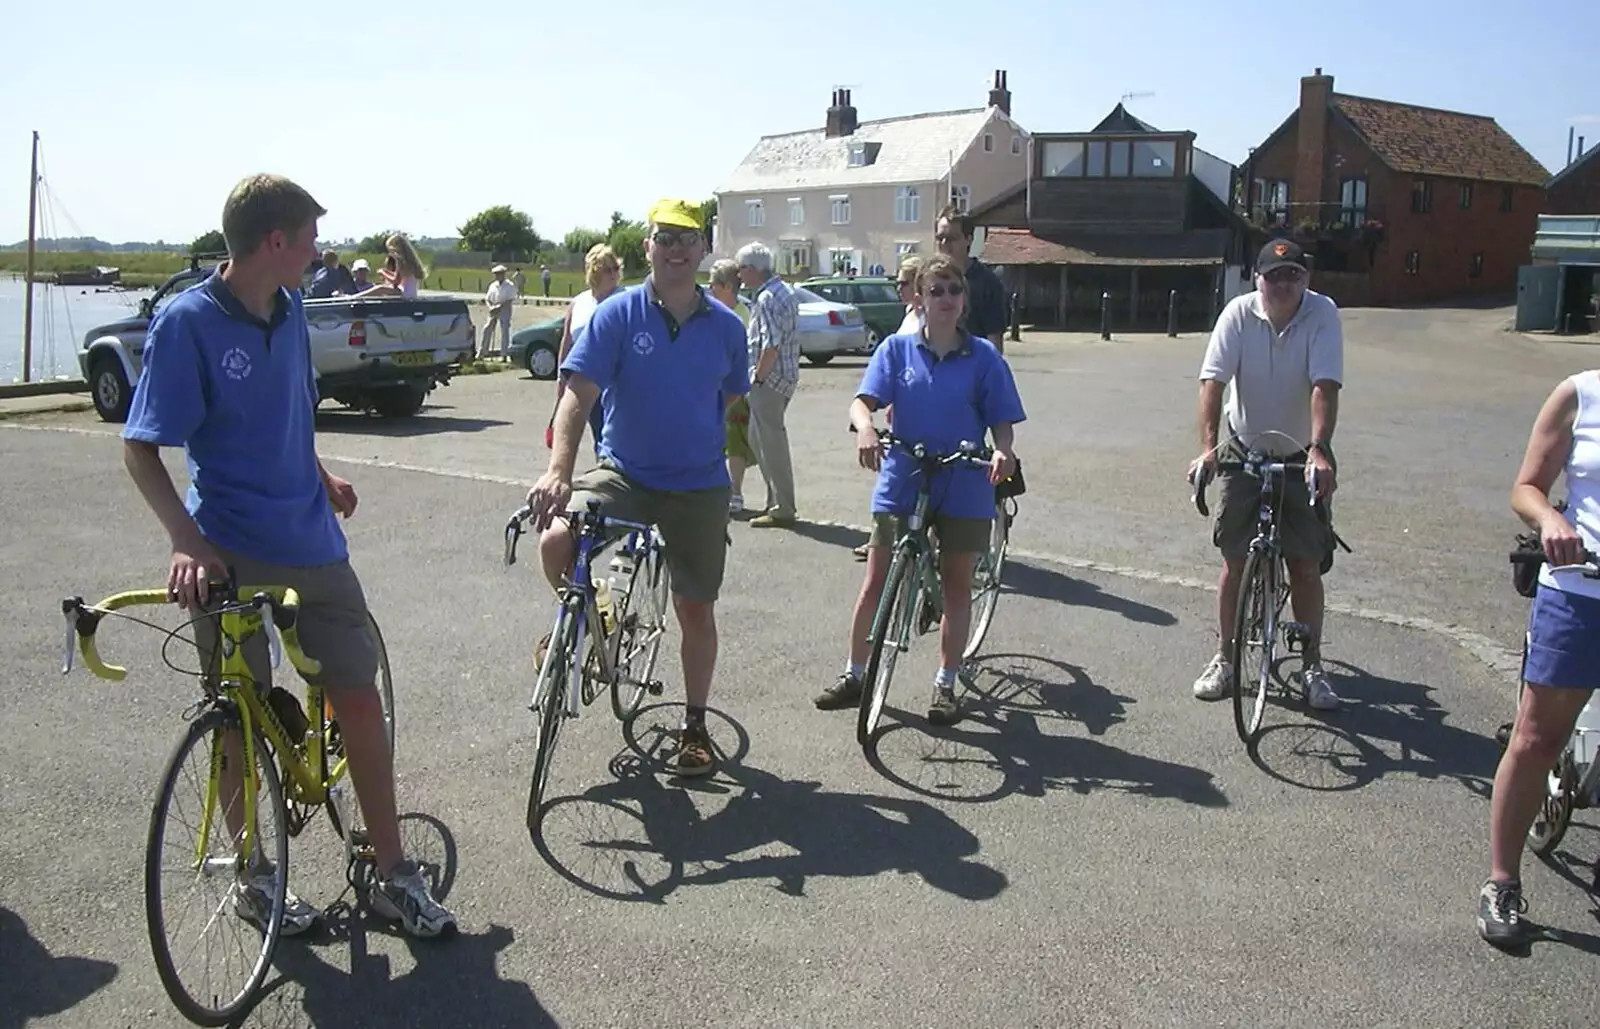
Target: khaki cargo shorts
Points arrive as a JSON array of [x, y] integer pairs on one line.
[[954, 535], [334, 622], [1302, 532], [694, 524]]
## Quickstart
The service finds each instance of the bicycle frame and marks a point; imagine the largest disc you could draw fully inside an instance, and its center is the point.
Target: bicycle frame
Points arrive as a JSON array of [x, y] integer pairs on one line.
[[305, 762], [595, 534]]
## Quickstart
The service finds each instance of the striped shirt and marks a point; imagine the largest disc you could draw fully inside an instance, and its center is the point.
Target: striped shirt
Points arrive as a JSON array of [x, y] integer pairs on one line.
[[775, 325]]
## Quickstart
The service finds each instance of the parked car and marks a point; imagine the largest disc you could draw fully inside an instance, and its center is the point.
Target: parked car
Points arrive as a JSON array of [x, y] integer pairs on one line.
[[874, 296], [383, 354], [535, 347], [827, 328]]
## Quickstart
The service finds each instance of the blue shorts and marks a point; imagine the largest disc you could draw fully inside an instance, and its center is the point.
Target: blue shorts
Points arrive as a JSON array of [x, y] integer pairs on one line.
[[1563, 640]]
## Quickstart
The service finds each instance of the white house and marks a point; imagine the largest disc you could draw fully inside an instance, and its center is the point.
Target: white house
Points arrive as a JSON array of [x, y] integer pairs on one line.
[[860, 195]]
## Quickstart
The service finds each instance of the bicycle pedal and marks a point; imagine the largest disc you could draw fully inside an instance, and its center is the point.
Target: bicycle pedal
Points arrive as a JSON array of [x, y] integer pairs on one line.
[[655, 687]]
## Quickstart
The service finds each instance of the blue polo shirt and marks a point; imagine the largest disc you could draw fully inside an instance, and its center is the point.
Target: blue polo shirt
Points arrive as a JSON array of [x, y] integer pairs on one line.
[[664, 386], [239, 395], [941, 404]]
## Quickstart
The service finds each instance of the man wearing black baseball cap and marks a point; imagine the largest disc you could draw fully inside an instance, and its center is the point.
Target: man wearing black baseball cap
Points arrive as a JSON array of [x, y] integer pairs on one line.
[[1279, 351]]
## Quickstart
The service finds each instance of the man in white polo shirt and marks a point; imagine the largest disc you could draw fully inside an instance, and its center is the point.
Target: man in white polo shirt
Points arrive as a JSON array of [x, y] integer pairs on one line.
[[1281, 350]]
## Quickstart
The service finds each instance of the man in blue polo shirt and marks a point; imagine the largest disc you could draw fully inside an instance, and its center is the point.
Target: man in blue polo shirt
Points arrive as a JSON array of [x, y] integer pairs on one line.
[[227, 376], [947, 386], [664, 360]]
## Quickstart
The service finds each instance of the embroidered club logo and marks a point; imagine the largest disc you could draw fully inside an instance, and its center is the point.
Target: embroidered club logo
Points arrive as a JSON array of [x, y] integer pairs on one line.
[[909, 376], [1281, 249], [643, 343], [236, 364]]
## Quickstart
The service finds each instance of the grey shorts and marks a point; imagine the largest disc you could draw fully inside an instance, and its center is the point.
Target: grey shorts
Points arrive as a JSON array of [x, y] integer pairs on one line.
[[954, 535], [335, 626], [694, 524], [1302, 532]]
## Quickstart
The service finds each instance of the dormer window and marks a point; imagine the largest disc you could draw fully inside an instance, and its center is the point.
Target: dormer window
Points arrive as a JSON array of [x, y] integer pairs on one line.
[[858, 155]]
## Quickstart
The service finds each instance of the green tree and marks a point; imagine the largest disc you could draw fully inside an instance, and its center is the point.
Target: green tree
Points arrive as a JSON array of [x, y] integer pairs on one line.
[[209, 243], [708, 217], [578, 241], [627, 239], [376, 243], [503, 231]]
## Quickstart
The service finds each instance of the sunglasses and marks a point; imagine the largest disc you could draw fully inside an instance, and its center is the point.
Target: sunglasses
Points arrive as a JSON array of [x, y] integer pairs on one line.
[[676, 237], [1281, 275], [903, 283], [955, 289]]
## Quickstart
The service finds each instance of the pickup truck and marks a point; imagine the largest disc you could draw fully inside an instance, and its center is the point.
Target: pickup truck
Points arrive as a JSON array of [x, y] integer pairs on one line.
[[383, 355]]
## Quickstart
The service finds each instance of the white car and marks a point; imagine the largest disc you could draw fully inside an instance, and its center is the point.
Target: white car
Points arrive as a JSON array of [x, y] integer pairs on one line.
[[827, 328]]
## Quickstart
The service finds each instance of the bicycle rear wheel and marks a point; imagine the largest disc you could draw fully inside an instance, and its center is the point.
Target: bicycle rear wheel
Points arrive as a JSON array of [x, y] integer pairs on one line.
[[550, 702], [191, 853], [644, 623], [891, 634], [986, 577], [1254, 629]]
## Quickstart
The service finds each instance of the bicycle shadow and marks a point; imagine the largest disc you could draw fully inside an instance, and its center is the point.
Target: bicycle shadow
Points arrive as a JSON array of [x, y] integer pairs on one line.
[[1043, 583], [638, 840], [999, 748], [1044, 684], [310, 991], [1384, 726], [38, 984]]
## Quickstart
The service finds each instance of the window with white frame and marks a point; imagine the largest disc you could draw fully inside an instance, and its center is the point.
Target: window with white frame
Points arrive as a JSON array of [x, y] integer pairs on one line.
[[903, 251], [754, 215], [1016, 145], [797, 211], [961, 196], [988, 142], [858, 155], [840, 203], [907, 205]]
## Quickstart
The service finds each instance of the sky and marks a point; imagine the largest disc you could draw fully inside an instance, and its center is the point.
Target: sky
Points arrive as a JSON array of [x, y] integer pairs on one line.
[[414, 116]]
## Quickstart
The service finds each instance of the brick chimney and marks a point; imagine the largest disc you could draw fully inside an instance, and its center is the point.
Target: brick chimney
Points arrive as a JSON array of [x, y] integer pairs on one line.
[[1311, 134], [841, 116], [1000, 96]]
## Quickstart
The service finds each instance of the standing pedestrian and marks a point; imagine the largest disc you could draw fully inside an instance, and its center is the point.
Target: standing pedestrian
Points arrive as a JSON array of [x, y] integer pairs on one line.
[[774, 337]]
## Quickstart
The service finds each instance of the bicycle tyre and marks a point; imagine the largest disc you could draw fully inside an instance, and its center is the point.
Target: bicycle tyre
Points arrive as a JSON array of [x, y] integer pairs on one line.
[[551, 692], [986, 598], [892, 620], [625, 699], [201, 731], [1254, 607], [1555, 813], [385, 684]]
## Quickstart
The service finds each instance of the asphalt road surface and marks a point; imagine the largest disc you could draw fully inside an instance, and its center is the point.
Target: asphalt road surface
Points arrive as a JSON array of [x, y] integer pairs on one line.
[[1090, 846]]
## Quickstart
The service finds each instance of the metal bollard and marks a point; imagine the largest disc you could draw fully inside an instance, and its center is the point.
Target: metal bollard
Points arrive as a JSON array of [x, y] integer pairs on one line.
[[1016, 317], [1105, 315], [1172, 312]]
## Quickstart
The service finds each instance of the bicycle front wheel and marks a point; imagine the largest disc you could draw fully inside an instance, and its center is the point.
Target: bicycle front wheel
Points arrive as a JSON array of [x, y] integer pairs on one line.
[[986, 579], [202, 855], [644, 623], [1251, 653], [550, 702], [891, 634]]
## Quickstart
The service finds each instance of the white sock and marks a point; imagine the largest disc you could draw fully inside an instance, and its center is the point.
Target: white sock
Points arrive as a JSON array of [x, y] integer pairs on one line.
[[855, 671], [945, 677]]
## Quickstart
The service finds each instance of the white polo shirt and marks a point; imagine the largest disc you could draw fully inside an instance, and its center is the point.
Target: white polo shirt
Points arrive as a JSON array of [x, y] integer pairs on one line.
[[1269, 374]]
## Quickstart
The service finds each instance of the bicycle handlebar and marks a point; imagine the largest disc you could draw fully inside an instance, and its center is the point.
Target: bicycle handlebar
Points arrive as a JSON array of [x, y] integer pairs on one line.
[[1589, 567], [1255, 464], [967, 452], [282, 602], [590, 517]]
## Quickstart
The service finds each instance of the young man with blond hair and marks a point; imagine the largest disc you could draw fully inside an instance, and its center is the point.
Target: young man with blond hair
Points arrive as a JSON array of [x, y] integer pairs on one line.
[[228, 377]]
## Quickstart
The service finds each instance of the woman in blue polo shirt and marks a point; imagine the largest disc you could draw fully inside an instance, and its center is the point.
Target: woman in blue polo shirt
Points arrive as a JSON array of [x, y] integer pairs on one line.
[[946, 387]]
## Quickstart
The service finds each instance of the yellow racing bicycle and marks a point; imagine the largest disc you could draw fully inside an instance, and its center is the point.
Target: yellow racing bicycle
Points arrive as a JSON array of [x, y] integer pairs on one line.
[[228, 845]]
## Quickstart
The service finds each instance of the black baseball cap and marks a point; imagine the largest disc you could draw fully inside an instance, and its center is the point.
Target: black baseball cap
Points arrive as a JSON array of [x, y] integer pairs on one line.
[[1280, 253]]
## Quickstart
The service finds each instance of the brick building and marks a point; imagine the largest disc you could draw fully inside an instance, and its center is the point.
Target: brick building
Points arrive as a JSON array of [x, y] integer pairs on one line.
[[1575, 189], [1397, 203]]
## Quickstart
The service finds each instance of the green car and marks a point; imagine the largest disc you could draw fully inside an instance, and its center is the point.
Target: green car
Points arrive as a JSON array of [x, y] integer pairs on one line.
[[536, 346], [874, 296]]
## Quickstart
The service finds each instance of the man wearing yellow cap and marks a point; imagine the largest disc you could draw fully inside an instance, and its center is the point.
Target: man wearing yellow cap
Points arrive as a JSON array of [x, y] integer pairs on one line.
[[663, 361]]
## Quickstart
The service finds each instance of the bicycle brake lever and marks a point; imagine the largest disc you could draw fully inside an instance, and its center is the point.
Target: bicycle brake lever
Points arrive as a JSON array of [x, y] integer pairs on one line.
[[274, 648], [512, 532], [72, 638]]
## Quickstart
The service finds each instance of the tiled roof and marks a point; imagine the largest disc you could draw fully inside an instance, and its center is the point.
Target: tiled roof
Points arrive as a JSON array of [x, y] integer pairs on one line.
[[1427, 141], [1019, 246], [1573, 168], [917, 148]]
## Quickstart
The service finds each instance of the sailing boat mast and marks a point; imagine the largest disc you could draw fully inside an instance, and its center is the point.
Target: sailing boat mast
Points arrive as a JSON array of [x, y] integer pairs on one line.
[[27, 295]]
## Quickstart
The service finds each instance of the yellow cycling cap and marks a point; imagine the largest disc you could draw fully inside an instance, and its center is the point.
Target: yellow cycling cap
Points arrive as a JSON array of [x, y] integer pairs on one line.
[[682, 213]]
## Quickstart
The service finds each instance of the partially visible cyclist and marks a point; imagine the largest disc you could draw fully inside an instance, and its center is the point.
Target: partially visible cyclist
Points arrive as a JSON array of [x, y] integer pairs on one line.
[[602, 275], [663, 360], [947, 387], [1562, 668], [905, 284], [1280, 352], [227, 376]]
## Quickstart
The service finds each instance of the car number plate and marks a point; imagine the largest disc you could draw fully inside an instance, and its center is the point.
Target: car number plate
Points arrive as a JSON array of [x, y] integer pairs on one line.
[[413, 357]]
